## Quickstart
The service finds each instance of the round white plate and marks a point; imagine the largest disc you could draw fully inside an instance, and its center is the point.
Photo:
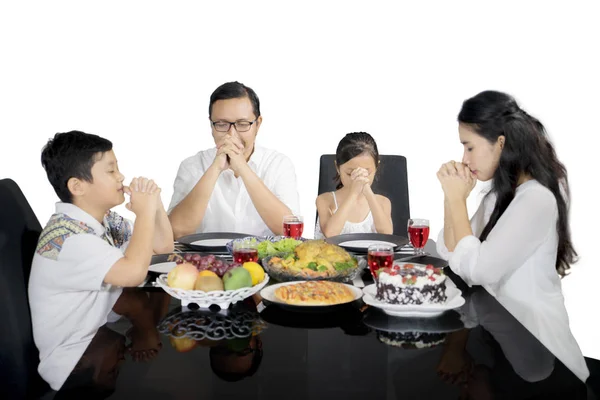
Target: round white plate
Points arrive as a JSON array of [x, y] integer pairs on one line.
[[212, 242], [364, 244], [454, 300], [268, 293], [162, 268]]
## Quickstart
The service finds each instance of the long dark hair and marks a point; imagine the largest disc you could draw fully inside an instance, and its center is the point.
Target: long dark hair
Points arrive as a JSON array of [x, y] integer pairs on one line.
[[527, 150], [352, 145]]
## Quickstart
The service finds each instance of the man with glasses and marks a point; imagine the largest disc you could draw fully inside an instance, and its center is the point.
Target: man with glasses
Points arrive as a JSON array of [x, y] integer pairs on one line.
[[236, 186]]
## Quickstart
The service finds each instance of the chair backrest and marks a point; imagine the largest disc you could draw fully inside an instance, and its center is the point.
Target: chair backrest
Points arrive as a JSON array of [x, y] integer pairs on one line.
[[391, 181], [19, 233]]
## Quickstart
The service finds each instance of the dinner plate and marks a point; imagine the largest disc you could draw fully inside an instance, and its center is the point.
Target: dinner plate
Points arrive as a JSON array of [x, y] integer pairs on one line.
[[445, 323], [364, 244], [268, 294], [360, 242], [212, 242], [454, 300], [163, 267]]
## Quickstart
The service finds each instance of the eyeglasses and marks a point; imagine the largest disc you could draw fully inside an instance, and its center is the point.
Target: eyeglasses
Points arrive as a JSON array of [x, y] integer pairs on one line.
[[240, 126]]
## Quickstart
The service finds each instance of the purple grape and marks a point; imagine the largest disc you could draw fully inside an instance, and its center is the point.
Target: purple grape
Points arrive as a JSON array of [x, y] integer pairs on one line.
[[196, 257], [211, 258], [187, 257], [218, 263]]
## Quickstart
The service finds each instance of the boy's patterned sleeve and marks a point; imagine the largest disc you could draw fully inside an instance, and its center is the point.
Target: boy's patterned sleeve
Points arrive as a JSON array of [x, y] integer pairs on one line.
[[121, 229]]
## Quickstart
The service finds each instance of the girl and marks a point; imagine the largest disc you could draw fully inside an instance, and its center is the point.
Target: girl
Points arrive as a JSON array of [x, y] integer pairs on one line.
[[353, 207], [518, 244]]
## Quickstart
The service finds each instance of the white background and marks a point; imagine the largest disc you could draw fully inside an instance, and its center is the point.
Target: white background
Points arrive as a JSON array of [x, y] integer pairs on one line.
[[141, 73]]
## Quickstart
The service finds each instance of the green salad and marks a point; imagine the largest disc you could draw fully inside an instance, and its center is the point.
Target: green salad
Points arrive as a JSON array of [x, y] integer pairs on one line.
[[268, 248]]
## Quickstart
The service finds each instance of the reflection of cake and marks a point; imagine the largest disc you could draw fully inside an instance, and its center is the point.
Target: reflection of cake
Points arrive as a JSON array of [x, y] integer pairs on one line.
[[411, 340], [411, 284]]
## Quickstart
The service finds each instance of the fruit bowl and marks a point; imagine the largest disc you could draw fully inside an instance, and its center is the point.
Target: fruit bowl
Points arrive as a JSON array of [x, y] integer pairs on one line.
[[221, 298]]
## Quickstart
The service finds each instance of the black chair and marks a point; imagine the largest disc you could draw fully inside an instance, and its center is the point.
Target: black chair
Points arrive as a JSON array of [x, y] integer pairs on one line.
[[19, 357], [391, 181]]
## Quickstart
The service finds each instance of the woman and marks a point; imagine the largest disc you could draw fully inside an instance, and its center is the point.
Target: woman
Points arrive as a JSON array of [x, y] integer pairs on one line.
[[518, 244]]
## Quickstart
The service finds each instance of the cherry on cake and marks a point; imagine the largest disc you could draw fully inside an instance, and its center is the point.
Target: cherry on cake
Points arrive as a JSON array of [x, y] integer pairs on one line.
[[411, 284]]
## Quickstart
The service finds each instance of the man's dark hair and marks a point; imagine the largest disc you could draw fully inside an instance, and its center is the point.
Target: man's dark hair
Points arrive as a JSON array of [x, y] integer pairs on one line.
[[72, 155], [234, 90]]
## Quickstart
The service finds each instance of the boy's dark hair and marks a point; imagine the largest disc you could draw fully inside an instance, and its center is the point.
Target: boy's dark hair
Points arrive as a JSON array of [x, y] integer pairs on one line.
[[352, 145], [71, 155], [234, 90]]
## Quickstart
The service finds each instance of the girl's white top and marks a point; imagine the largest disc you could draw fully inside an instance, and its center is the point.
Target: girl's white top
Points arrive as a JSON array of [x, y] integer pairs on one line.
[[366, 226]]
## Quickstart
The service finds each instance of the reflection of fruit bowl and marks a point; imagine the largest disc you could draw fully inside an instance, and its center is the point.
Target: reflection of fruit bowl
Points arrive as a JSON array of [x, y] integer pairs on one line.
[[282, 274], [188, 329], [221, 298]]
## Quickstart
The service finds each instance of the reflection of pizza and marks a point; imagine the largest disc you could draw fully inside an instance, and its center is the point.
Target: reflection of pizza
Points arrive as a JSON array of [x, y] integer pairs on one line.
[[314, 293]]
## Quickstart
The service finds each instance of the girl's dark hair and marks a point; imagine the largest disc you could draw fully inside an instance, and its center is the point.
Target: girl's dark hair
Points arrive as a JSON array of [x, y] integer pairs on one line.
[[352, 145], [527, 150], [234, 90]]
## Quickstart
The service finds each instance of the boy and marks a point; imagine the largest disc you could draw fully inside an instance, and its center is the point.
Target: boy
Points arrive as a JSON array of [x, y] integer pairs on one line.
[[87, 253]]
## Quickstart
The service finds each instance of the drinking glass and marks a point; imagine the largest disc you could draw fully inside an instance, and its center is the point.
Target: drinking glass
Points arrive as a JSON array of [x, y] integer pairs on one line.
[[244, 251], [379, 256], [293, 225], [418, 233]]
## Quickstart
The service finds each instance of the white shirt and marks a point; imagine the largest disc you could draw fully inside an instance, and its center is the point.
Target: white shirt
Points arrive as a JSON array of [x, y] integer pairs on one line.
[[516, 264], [68, 297], [230, 208]]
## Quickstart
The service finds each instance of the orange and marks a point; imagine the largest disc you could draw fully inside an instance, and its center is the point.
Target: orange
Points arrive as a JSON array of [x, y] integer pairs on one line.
[[207, 273]]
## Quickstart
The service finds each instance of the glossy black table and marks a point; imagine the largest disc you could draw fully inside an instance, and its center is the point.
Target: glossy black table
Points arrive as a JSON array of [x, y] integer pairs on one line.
[[355, 352]]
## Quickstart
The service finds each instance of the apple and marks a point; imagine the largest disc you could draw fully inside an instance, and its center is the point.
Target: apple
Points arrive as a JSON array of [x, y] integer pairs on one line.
[[183, 276]]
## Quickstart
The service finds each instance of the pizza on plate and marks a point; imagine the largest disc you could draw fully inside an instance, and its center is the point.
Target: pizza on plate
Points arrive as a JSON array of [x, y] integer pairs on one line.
[[314, 293]]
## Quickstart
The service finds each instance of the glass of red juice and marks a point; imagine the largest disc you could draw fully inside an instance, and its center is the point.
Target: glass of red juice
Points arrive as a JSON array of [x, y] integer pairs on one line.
[[293, 225], [244, 251], [379, 256], [418, 233]]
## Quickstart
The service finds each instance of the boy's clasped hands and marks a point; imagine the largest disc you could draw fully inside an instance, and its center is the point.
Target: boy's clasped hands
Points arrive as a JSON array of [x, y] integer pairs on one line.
[[144, 196]]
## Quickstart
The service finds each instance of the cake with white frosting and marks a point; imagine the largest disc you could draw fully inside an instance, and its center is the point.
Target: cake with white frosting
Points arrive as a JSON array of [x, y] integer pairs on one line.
[[411, 284]]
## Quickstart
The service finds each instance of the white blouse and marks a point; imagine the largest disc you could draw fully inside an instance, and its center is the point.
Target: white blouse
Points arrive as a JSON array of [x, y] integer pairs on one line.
[[516, 264]]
